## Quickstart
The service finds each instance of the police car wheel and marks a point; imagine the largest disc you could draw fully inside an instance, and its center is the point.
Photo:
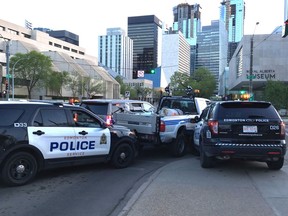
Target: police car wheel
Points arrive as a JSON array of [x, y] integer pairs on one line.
[[178, 146], [123, 156], [276, 165], [19, 169], [205, 161]]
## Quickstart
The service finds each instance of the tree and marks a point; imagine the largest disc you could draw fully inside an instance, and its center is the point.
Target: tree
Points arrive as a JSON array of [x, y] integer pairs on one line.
[[31, 69], [92, 86], [56, 80], [179, 82], [204, 81], [277, 93], [74, 84], [124, 87], [201, 80], [143, 92]]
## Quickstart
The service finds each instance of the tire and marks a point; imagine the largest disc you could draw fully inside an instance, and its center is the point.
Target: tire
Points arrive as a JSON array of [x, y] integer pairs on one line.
[[178, 146], [123, 156], [205, 161], [193, 149], [19, 169], [275, 165]]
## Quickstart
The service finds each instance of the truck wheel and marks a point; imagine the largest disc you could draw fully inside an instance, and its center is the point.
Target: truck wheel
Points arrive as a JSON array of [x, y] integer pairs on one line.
[[178, 146], [19, 169], [205, 161], [275, 165], [123, 156]]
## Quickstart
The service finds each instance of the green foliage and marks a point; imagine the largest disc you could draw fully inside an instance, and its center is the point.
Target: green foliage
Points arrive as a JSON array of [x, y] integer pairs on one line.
[[205, 81], [277, 93], [201, 79], [142, 93], [92, 86], [56, 80], [124, 87], [33, 67]]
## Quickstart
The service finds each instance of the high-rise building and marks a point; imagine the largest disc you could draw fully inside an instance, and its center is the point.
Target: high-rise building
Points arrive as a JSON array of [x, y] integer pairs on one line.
[[232, 12], [63, 35], [175, 57], [187, 19], [115, 51], [212, 49], [146, 33]]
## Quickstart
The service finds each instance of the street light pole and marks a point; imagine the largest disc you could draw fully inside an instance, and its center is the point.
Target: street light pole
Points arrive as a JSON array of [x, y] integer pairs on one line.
[[251, 63], [13, 75], [7, 68], [7, 49]]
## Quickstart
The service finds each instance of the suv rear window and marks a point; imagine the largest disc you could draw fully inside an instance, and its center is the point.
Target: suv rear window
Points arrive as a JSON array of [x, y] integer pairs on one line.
[[10, 116], [247, 110], [98, 108]]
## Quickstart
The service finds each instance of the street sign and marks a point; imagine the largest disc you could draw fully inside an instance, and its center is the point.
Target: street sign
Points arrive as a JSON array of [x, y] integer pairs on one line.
[[127, 94], [140, 73], [251, 76]]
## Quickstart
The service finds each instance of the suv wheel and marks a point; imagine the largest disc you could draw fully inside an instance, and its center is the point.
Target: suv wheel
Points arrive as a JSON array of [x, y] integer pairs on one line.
[[123, 156], [275, 165], [205, 161], [178, 146], [19, 169]]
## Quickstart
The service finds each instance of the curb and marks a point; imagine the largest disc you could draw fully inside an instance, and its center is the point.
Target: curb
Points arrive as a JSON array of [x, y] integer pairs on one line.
[[138, 193]]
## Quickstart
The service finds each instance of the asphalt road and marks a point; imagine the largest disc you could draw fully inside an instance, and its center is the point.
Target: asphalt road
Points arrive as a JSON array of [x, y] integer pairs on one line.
[[83, 190], [101, 190]]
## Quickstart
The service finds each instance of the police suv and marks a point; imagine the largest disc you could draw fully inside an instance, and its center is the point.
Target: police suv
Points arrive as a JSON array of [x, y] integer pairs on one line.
[[41, 135], [249, 130]]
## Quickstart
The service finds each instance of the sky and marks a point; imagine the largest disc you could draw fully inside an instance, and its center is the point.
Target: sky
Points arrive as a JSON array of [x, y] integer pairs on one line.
[[90, 19]]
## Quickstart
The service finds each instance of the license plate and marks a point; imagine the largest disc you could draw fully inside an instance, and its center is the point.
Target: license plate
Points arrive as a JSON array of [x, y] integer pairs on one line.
[[250, 129]]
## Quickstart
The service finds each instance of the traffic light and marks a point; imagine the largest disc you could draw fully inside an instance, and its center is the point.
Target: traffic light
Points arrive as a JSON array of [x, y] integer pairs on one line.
[[6, 85], [152, 71]]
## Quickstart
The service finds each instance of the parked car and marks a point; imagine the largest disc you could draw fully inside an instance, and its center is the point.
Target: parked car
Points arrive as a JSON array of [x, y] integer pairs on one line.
[[249, 130], [105, 108], [41, 135]]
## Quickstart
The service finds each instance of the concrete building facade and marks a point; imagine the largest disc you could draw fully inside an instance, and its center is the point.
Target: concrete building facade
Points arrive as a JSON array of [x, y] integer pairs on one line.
[[269, 63], [65, 56], [175, 56]]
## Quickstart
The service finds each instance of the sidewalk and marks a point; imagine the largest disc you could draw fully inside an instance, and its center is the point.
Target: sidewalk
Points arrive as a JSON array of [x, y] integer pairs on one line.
[[183, 188]]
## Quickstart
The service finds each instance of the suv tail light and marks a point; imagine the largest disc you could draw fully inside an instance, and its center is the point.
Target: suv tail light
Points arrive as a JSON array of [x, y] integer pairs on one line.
[[162, 126], [282, 126], [213, 126], [109, 120]]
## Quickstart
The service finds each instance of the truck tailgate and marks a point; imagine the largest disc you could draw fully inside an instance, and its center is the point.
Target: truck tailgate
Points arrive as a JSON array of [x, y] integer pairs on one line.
[[146, 124]]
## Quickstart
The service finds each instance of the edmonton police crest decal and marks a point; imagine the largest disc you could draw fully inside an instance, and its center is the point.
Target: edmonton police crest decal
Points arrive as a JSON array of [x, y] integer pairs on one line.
[[103, 139]]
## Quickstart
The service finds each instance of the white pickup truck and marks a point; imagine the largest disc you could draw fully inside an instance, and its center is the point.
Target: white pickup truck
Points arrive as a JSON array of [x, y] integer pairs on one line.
[[170, 125]]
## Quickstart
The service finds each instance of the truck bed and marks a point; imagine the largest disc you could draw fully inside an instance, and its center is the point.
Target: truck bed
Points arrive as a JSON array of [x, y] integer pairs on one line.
[[145, 124]]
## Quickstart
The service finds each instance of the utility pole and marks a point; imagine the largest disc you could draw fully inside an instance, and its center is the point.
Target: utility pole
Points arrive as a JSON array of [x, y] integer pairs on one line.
[[251, 64]]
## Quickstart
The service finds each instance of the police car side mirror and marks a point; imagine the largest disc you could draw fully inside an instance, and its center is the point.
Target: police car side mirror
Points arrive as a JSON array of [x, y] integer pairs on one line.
[[195, 119]]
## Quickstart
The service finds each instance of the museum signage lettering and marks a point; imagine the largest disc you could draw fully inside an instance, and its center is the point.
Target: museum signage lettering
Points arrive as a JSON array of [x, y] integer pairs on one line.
[[262, 74]]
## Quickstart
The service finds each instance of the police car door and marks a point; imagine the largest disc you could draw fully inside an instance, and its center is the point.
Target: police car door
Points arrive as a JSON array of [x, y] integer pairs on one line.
[[51, 133], [91, 137]]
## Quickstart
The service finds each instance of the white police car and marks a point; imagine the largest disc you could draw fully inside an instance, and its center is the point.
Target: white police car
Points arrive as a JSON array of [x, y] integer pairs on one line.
[[40, 135]]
